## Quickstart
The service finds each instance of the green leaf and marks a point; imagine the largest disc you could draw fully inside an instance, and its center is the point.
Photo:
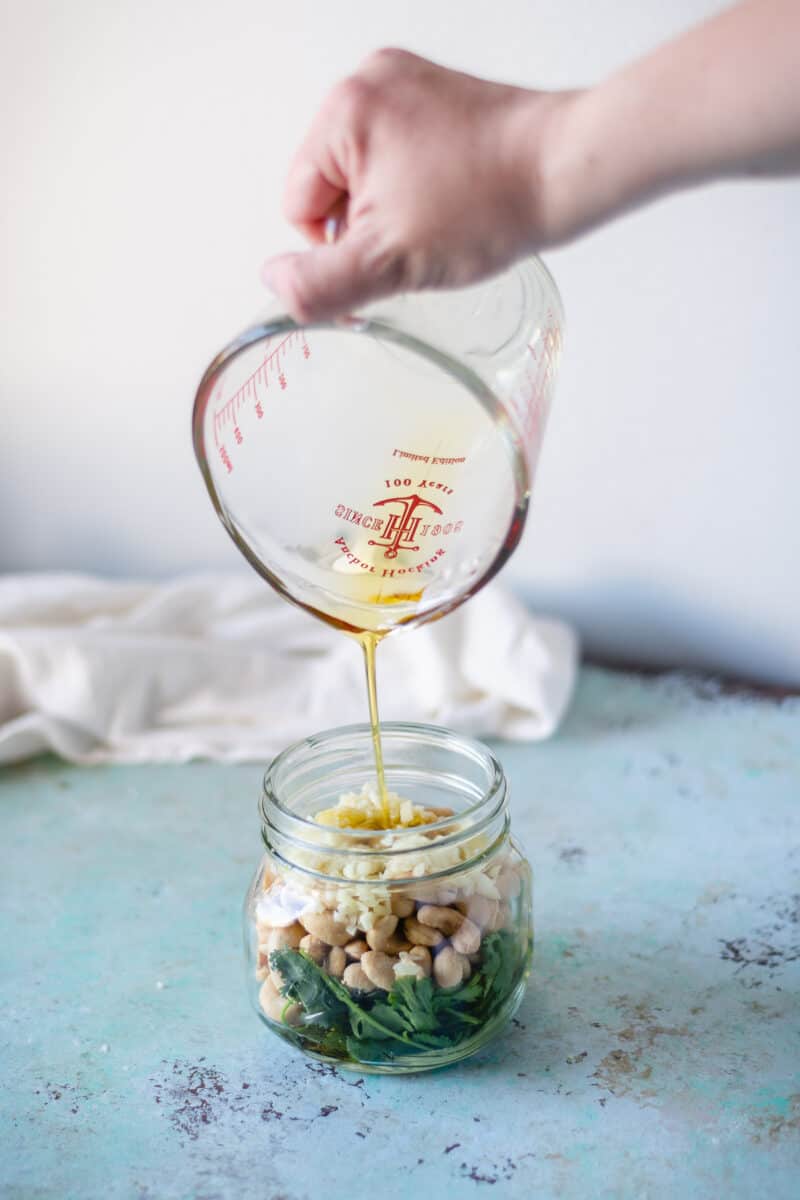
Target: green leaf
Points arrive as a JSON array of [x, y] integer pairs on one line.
[[415, 1016], [307, 985], [372, 1050], [327, 1001], [467, 993], [387, 1016], [413, 1000]]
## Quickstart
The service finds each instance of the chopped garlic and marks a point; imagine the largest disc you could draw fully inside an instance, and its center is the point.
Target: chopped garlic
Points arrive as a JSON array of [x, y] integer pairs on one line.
[[365, 810], [357, 907]]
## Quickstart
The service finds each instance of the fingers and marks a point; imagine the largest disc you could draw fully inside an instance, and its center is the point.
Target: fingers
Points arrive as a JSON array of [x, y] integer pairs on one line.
[[330, 281], [319, 175], [311, 193]]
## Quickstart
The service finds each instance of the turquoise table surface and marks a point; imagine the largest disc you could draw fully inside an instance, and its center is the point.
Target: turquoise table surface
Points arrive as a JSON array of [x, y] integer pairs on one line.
[[656, 1054]]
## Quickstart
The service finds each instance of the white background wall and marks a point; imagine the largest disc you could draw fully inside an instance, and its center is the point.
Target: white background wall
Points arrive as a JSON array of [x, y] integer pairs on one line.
[[143, 149]]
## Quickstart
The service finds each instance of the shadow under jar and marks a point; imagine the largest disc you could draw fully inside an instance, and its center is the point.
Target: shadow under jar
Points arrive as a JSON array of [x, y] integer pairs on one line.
[[388, 950]]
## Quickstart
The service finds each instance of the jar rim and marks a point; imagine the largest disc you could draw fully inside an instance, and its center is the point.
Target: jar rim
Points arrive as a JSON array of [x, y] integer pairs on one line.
[[471, 820]]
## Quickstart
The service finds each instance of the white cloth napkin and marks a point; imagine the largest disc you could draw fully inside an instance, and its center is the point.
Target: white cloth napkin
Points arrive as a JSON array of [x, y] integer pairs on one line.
[[220, 667]]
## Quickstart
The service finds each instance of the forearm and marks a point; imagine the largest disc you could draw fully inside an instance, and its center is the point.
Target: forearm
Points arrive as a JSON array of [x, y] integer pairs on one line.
[[722, 100]]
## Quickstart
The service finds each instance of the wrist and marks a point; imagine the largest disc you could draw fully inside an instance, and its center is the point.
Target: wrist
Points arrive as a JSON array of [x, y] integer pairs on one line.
[[558, 165], [583, 173], [590, 159]]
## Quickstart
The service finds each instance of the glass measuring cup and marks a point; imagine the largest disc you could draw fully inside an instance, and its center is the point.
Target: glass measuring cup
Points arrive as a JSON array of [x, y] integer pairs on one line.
[[377, 470]]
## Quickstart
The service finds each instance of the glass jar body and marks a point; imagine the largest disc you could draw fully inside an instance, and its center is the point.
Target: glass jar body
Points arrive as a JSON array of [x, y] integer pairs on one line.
[[399, 950]]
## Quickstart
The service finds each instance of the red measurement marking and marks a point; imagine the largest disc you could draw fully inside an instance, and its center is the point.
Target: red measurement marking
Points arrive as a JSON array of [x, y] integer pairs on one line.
[[270, 369], [260, 376], [531, 394]]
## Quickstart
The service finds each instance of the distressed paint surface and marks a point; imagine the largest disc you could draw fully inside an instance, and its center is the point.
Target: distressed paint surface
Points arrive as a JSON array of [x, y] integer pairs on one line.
[[657, 1052]]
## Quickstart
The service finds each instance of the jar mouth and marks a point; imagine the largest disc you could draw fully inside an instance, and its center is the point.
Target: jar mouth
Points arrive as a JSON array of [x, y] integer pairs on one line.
[[421, 761]]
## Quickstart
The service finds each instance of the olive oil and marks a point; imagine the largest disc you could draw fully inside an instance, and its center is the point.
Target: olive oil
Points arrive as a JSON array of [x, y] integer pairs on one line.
[[369, 644], [369, 640]]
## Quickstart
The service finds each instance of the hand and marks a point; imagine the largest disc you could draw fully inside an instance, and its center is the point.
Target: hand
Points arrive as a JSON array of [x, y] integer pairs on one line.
[[443, 179], [440, 179]]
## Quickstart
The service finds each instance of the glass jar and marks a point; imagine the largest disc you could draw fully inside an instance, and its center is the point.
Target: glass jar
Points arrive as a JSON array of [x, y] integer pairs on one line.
[[388, 950]]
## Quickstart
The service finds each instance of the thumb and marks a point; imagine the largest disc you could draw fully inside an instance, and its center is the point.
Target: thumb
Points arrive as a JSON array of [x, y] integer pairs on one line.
[[330, 281]]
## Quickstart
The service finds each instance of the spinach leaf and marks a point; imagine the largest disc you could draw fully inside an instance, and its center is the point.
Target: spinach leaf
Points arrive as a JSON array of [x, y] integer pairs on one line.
[[327, 1001], [414, 1016], [306, 984]]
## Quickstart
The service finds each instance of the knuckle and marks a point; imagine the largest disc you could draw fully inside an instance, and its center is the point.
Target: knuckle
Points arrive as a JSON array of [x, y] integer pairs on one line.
[[299, 299], [352, 98], [387, 57], [390, 264]]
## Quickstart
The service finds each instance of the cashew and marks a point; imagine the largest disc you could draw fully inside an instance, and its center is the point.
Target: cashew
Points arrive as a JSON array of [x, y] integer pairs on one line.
[[508, 884], [323, 926], [283, 939], [381, 931], [467, 938], [448, 967], [396, 944], [355, 979], [421, 955], [274, 1004], [441, 811], [479, 909], [402, 906], [314, 948], [378, 967], [421, 935], [356, 948], [446, 919], [337, 961]]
